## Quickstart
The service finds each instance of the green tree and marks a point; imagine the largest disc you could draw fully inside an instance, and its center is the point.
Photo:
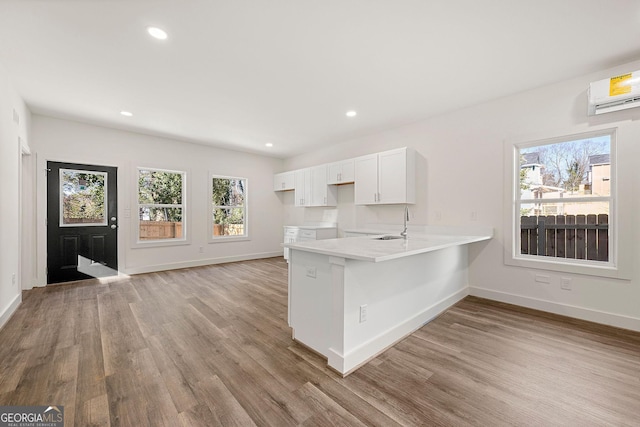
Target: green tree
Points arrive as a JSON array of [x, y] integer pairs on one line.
[[83, 196], [575, 175], [524, 185], [161, 188], [227, 197]]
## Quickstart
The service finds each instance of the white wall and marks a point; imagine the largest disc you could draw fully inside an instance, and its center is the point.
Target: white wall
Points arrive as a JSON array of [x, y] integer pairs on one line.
[[10, 174], [462, 172], [68, 141]]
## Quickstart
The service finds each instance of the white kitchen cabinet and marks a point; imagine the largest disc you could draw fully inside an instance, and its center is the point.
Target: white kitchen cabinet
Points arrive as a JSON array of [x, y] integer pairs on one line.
[[295, 234], [283, 181], [366, 180], [322, 194], [385, 178], [311, 188], [302, 187], [341, 172]]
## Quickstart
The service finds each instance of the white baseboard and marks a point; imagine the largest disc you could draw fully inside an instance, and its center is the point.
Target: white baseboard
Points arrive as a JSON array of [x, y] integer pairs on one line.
[[360, 355], [8, 311], [611, 319], [198, 263]]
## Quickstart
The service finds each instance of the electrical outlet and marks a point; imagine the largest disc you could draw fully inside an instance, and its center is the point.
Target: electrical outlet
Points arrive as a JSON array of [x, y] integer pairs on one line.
[[438, 216], [363, 313], [311, 272], [13, 279], [201, 249], [565, 284], [541, 278], [474, 216]]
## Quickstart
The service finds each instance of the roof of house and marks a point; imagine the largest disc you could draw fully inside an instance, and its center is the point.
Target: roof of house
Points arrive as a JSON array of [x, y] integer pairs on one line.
[[600, 159], [530, 159]]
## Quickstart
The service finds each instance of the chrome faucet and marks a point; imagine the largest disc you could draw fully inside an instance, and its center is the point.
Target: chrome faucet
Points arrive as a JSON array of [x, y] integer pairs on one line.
[[406, 218]]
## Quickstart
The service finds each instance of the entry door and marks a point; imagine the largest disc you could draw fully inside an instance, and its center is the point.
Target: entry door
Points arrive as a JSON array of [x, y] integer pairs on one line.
[[82, 223]]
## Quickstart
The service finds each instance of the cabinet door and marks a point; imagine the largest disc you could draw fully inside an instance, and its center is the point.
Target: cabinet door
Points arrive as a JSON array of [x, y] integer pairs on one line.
[[392, 176], [347, 172], [321, 193], [283, 181], [318, 186], [289, 237], [366, 180], [341, 172], [333, 171], [303, 187]]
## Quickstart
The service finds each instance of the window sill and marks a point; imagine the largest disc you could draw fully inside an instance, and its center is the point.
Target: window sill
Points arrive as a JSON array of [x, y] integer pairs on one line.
[[160, 243], [227, 239], [585, 267]]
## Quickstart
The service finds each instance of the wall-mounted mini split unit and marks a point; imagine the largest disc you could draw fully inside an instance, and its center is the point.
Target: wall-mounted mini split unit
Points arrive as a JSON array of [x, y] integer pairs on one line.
[[614, 94]]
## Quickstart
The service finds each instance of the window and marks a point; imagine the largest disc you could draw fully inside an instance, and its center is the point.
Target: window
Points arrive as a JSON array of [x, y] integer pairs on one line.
[[83, 198], [228, 208], [161, 206], [564, 199]]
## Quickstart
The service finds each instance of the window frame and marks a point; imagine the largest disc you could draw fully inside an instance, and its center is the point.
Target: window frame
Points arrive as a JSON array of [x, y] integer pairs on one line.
[[185, 239], [211, 210], [512, 255]]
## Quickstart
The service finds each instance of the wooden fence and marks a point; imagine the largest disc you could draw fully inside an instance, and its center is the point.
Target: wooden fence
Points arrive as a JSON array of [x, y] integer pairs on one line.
[[566, 236], [154, 230]]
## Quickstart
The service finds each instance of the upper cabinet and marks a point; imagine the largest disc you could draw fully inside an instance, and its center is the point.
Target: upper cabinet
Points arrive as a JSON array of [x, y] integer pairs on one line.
[[284, 181], [303, 187], [341, 172], [366, 179], [311, 188], [322, 194], [382, 178], [385, 178]]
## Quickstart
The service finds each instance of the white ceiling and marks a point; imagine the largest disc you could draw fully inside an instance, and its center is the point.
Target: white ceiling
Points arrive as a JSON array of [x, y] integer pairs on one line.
[[241, 73]]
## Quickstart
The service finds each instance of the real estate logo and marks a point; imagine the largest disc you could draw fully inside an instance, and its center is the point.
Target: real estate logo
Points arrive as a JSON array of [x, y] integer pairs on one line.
[[32, 416]]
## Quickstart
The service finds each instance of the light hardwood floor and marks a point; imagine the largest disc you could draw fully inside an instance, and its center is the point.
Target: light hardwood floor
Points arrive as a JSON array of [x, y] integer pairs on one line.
[[210, 346]]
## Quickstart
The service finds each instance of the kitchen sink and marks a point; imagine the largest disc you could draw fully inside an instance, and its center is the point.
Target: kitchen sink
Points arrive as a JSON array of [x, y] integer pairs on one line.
[[388, 237]]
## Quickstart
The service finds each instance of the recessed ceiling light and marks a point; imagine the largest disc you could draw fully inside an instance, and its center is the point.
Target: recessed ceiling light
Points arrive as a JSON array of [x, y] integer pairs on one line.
[[157, 33], [268, 144], [351, 113], [126, 113]]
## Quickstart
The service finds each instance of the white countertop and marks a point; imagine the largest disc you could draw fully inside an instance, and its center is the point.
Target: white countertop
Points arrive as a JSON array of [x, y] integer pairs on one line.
[[367, 248]]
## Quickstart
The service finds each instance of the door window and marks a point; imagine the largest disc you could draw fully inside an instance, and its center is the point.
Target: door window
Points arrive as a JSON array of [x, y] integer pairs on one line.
[[83, 196]]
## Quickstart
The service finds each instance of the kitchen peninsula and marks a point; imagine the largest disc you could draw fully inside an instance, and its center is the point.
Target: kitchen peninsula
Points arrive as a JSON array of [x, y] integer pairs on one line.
[[351, 298]]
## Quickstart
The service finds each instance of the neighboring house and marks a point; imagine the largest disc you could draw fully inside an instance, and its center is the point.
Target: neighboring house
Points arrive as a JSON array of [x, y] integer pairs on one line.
[[534, 187], [530, 162], [597, 183], [599, 176]]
